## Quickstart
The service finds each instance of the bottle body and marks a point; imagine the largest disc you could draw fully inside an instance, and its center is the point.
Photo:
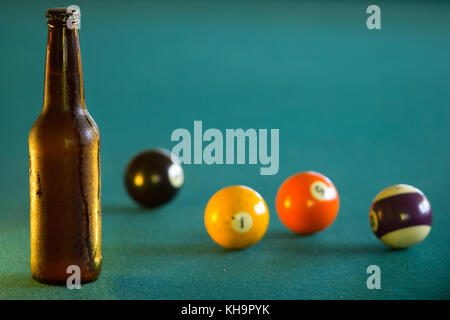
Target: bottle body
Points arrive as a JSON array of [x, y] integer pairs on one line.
[[65, 171]]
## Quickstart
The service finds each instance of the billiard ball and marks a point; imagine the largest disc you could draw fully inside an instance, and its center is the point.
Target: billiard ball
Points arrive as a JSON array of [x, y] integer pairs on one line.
[[236, 217], [153, 177], [307, 202], [400, 216]]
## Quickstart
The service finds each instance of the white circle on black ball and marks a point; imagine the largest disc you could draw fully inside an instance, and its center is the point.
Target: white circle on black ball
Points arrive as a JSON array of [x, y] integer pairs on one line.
[[176, 175]]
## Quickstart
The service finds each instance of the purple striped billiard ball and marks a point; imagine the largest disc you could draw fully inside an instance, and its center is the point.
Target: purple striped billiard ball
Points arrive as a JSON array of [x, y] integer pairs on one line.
[[400, 216]]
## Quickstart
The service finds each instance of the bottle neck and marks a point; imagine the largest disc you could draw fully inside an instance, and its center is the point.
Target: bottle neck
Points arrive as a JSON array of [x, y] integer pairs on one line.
[[63, 89]]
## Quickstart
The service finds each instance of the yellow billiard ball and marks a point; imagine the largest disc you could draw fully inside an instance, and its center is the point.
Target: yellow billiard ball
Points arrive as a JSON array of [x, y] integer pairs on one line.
[[236, 217]]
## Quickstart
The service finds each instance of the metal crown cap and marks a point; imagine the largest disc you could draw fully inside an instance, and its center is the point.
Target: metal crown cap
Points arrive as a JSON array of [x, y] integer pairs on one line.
[[60, 16]]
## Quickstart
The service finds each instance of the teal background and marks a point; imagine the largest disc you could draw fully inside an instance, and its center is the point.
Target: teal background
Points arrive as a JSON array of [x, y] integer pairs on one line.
[[366, 108]]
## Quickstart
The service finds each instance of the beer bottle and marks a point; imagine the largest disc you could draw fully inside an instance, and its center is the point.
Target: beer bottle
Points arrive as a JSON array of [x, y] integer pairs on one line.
[[64, 146]]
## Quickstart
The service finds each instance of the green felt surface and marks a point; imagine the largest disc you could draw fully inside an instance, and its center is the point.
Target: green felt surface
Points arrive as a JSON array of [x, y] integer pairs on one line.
[[367, 108]]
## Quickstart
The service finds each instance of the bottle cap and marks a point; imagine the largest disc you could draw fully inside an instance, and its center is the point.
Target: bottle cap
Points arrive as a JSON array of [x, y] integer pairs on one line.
[[61, 16]]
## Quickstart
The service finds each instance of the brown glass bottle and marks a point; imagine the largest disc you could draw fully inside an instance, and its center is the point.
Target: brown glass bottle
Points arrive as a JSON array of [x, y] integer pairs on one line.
[[64, 146]]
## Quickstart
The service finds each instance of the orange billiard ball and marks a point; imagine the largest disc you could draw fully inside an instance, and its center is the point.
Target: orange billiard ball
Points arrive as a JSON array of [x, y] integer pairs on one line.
[[307, 202], [236, 217]]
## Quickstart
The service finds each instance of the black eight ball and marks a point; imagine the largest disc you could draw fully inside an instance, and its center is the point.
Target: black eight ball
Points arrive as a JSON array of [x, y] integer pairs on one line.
[[152, 178]]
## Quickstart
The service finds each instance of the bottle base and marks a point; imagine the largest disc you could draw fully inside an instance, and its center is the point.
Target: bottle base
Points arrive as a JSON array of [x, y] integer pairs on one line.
[[60, 282]]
